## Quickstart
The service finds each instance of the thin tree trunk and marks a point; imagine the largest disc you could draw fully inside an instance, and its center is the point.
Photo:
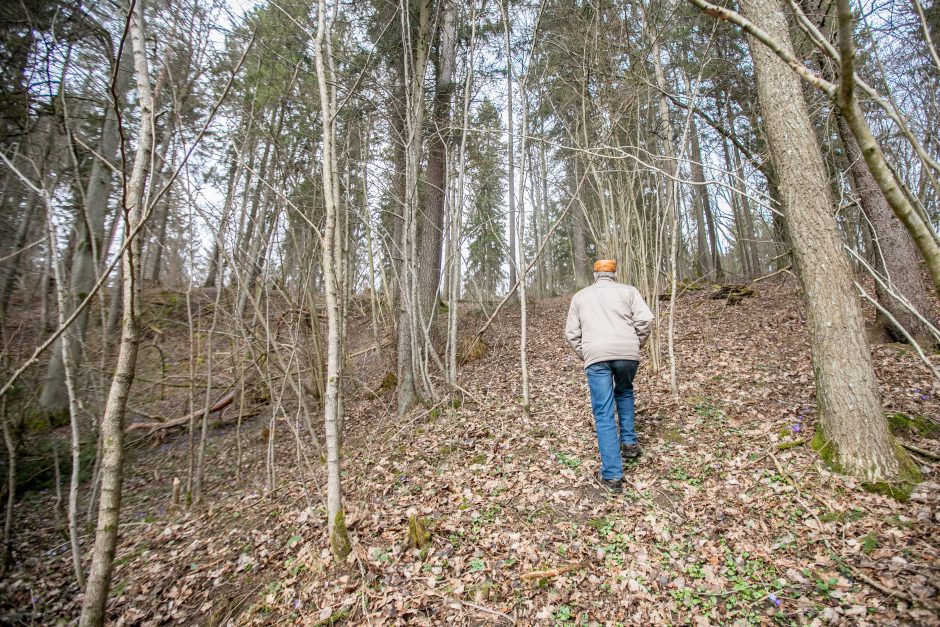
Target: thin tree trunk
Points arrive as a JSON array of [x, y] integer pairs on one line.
[[510, 139], [99, 579], [707, 239], [332, 255], [11, 445]]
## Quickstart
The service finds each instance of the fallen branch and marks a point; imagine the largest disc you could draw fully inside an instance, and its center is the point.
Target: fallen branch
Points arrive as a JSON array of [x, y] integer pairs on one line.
[[773, 274], [223, 402], [220, 404], [920, 451], [481, 608], [552, 572]]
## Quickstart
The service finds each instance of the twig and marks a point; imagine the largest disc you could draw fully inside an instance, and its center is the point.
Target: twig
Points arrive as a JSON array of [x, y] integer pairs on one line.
[[920, 451], [553, 572], [883, 588], [767, 276], [476, 607]]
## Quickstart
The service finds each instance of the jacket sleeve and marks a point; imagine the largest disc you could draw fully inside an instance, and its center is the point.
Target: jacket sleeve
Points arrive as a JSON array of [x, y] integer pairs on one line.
[[642, 317], [573, 330]]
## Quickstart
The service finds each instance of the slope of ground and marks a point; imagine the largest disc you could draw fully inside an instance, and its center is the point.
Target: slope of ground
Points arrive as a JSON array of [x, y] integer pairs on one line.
[[723, 520]]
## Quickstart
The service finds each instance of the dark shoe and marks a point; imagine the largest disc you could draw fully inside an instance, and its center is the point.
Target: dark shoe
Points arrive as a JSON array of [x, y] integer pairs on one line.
[[611, 485], [630, 451]]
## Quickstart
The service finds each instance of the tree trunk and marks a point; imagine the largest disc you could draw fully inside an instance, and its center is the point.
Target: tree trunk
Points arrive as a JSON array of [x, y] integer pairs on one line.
[[332, 256], [112, 431], [895, 255], [707, 239], [410, 333], [582, 267], [511, 172], [852, 431], [432, 226]]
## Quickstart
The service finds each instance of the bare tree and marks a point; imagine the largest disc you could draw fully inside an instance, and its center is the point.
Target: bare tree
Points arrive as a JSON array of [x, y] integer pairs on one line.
[[112, 430], [332, 258]]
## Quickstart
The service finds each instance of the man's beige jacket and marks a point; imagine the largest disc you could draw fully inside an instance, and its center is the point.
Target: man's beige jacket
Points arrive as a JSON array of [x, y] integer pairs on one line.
[[608, 320]]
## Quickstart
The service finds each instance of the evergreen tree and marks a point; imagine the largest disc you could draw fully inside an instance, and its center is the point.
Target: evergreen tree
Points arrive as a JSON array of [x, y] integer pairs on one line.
[[486, 221]]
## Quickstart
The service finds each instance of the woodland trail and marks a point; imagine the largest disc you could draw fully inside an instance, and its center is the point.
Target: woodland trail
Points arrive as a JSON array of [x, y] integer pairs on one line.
[[721, 522]]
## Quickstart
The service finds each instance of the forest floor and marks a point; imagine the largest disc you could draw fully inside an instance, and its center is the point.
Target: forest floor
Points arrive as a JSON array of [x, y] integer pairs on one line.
[[720, 523]]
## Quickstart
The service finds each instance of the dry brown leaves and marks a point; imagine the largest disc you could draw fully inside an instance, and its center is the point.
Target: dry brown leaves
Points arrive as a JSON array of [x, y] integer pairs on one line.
[[717, 526]]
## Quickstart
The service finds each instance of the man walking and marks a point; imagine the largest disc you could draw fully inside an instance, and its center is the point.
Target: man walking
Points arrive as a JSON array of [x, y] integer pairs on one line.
[[608, 324]]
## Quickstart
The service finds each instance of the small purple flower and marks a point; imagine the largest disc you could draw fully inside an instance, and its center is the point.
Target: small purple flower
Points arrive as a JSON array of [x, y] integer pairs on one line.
[[796, 428], [296, 604], [923, 397], [773, 599]]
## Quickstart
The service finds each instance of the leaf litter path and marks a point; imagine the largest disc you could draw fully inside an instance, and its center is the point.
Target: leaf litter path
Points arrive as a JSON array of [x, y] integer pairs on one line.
[[718, 525]]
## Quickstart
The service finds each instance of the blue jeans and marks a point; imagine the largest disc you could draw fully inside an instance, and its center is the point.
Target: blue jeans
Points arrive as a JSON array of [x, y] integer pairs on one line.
[[611, 383]]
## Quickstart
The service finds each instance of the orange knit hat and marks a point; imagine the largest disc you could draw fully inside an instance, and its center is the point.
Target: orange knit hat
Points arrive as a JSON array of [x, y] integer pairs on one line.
[[605, 265]]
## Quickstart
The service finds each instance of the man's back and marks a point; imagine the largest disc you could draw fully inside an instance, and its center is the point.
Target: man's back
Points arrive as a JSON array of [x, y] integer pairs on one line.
[[608, 320]]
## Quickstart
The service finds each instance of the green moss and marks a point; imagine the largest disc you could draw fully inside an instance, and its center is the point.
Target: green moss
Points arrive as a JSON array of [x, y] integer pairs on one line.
[[902, 424], [869, 544], [826, 449], [673, 435], [418, 534], [908, 477], [334, 618], [900, 489], [339, 538]]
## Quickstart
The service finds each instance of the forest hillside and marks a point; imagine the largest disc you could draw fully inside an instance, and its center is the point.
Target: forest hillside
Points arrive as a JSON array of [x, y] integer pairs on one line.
[[728, 516], [566, 312]]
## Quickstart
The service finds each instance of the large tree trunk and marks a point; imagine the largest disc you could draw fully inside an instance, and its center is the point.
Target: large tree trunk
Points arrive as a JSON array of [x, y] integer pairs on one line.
[[895, 255], [410, 333], [53, 400], [852, 431], [432, 226], [582, 267], [112, 430]]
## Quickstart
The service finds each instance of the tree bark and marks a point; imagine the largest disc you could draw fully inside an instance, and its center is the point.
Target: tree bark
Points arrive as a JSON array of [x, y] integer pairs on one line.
[[432, 231], [895, 255], [852, 431], [112, 432], [332, 255], [582, 267]]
